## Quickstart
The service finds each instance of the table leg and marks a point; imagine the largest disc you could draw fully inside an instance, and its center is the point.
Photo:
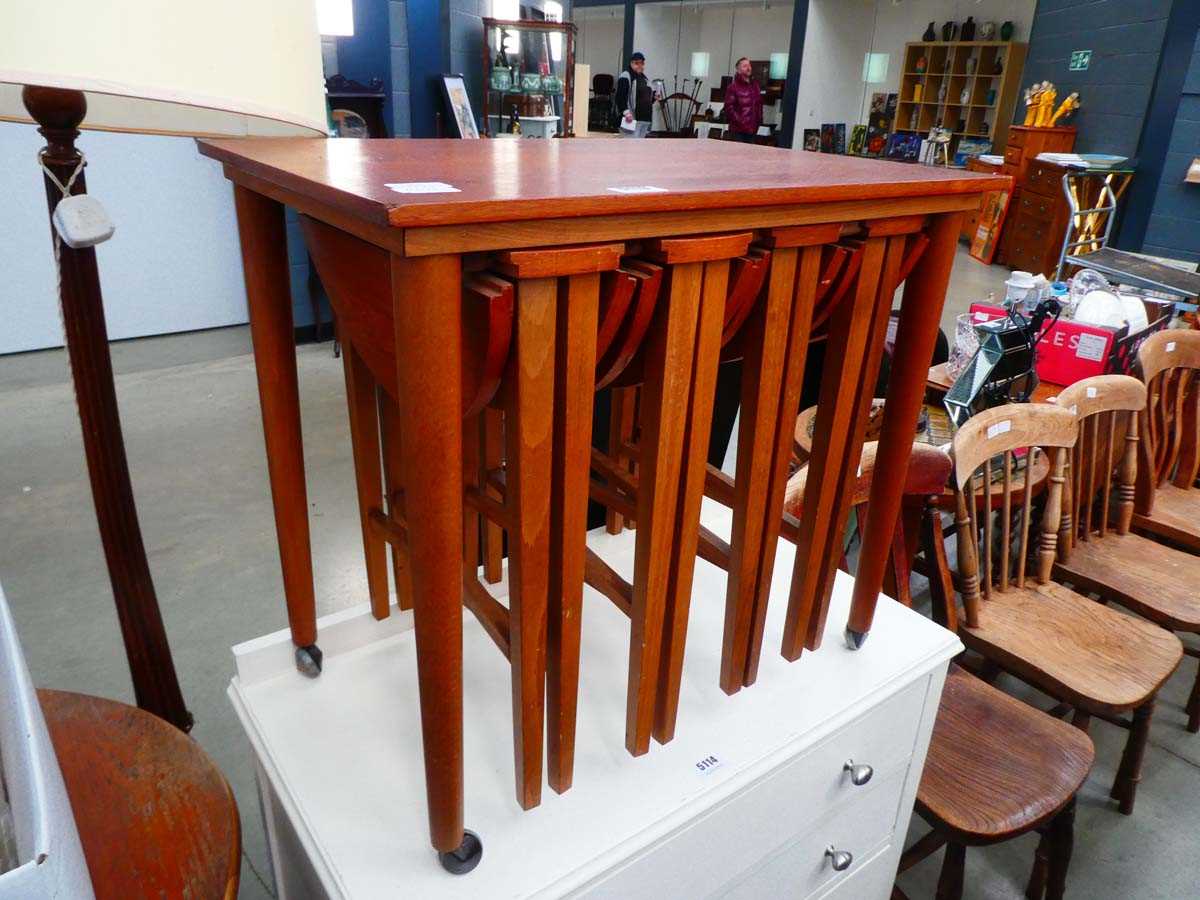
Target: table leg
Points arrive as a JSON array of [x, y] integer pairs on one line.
[[574, 392], [389, 431], [668, 353], [528, 435], [427, 308], [268, 294], [765, 336], [492, 440], [705, 361], [916, 335], [819, 541]]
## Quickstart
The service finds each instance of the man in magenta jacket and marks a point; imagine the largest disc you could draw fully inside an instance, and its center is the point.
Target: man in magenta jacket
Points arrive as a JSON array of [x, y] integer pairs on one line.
[[743, 103]]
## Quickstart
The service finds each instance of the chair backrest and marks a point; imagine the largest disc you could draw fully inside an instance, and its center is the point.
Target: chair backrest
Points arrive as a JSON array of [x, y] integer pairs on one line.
[[1106, 408], [1001, 436], [1168, 361], [602, 84], [44, 858]]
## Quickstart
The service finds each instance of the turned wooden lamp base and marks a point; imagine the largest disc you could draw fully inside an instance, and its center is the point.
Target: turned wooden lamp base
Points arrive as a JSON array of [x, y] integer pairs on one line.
[[58, 114]]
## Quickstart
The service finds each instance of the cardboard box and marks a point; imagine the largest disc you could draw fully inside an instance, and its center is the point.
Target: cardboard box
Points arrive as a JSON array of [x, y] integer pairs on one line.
[[1072, 351]]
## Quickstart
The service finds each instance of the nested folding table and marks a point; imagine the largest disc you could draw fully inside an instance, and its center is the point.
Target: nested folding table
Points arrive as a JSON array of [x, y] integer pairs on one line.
[[436, 208]]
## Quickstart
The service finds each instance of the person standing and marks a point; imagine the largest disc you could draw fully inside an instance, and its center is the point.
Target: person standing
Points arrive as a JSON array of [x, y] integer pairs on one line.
[[635, 98], [743, 103]]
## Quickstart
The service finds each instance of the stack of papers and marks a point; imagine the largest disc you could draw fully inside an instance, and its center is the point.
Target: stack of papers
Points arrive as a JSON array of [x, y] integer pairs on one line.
[[1064, 159]]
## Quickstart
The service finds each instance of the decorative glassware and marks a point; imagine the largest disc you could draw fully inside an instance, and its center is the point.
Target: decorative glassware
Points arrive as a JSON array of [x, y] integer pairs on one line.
[[531, 82], [966, 342], [501, 79]]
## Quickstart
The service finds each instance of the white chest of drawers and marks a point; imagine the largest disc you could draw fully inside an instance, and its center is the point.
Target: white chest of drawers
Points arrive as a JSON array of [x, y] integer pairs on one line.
[[339, 761]]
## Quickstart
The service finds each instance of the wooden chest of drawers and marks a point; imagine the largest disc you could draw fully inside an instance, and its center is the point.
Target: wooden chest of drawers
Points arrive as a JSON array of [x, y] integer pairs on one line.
[[1037, 212], [743, 803]]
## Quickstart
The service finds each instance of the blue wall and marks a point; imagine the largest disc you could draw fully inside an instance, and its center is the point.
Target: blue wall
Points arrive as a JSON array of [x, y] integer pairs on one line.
[[367, 54], [1174, 227], [1125, 38]]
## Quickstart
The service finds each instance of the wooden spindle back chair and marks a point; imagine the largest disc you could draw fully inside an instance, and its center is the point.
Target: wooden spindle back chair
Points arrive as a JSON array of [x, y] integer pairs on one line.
[[1166, 504], [1096, 550], [1036, 764], [1091, 658]]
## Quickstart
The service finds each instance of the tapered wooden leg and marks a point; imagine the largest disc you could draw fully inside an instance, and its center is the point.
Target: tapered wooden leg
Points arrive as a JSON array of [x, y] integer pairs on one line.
[[389, 433], [427, 309], [1124, 789], [916, 335], [1062, 842], [268, 296], [950, 883], [822, 523], [765, 337], [528, 434], [799, 332], [363, 406], [668, 348], [620, 430], [1038, 873], [493, 456], [574, 391], [691, 491], [1193, 706]]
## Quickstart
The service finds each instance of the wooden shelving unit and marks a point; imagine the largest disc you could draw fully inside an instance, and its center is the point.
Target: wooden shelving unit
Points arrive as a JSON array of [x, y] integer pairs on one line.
[[947, 73]]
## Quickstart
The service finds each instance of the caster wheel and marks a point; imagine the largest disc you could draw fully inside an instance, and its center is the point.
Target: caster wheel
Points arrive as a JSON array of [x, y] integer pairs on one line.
[[466, 857], [855, 639], [308, 660]]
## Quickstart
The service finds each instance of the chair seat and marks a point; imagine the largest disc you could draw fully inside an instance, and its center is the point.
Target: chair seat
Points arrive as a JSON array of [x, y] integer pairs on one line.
[[1175, 516], [1073, 648], [997, 767], [1152, 579], [155, 816]]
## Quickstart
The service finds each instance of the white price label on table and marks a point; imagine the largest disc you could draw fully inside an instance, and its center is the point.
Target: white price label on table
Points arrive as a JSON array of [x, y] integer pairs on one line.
[[423, 187], [638, 189]]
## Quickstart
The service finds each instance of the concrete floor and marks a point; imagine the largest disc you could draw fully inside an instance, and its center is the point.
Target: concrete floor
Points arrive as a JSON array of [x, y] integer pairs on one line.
[[189, 407]]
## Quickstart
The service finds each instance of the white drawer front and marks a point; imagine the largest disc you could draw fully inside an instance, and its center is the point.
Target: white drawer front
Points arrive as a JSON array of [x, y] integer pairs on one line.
[[734, 837], [802, 868], [873, 881]]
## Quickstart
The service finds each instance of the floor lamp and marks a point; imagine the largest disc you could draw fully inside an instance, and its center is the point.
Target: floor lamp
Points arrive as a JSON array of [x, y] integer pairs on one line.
[[222, 67]]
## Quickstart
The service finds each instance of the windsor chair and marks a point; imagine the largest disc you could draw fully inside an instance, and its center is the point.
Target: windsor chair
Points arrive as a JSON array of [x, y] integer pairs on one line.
[[1096, 549], [1034, 764], [1166, 504], [1095, 659]]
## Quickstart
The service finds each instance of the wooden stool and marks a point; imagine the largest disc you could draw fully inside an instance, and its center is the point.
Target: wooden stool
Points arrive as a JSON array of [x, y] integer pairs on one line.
[[528, 364], [155, 816]]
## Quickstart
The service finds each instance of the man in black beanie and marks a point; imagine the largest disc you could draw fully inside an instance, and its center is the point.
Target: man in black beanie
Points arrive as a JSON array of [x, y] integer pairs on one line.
[[634, 98]]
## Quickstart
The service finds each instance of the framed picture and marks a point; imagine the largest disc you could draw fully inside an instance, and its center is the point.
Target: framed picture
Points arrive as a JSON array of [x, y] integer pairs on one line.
[[989, 225], [839, 138], [828, 137], [858, 140], [459, 115], [812, 139]]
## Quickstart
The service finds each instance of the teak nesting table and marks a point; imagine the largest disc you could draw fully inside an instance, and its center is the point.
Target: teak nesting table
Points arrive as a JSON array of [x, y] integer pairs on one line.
[[469, 273]]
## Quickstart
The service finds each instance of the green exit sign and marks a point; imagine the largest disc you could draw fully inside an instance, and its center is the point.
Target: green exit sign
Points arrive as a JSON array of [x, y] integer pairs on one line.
[[1080, 60]]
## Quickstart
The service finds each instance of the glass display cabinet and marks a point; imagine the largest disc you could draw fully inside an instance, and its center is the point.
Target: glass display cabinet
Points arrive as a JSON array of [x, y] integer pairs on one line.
[[528, 67]]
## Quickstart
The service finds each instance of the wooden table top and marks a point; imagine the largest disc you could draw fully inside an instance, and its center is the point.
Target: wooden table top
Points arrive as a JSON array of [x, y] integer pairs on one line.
[[512, 181]]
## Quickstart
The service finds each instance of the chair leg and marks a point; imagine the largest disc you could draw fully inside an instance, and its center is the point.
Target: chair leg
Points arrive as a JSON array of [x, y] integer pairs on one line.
[[1193, 706], [364, 439], [1124, 788], [950, 883], [389, 435], [1036, 889], [1061, 834]]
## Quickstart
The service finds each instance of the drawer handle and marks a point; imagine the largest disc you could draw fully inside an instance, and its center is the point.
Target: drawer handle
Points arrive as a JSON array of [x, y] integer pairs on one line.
[[860, 773], [839, 859]]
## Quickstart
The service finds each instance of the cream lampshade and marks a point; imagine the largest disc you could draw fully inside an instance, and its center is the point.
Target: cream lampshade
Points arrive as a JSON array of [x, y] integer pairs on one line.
[[210, 67], [218, 67]]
